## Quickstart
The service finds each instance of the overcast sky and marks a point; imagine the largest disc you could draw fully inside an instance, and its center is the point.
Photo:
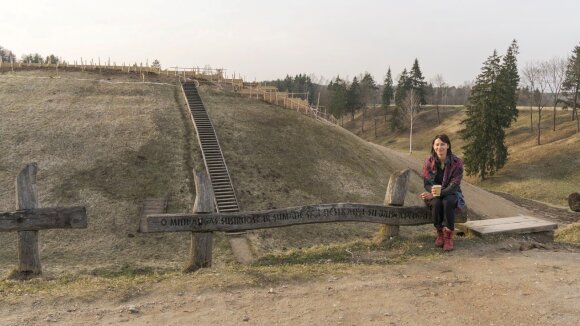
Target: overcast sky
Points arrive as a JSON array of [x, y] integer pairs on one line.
[[269, 39]]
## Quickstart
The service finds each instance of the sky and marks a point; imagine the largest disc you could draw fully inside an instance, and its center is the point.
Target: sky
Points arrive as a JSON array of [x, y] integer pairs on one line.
[[264, 40]]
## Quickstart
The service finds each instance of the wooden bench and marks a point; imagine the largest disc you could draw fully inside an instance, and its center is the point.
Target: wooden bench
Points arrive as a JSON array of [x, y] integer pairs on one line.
[[203, 222]]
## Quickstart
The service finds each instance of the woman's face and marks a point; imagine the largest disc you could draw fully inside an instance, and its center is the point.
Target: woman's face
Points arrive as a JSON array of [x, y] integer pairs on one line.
[[440, 147]]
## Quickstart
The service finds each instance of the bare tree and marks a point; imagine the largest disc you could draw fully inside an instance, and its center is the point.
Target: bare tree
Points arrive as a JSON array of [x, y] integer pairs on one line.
[[410, 108], [440, 89], [536, 75], [539, 94], [555, 73], [531, 75]]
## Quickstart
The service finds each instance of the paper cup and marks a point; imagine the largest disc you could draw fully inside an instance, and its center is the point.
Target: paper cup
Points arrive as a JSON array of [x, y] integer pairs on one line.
[[436, 190]]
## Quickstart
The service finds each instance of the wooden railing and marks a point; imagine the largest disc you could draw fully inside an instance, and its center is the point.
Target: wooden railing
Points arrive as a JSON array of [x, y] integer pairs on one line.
[[270, 94], [203, 221], [210, 74]]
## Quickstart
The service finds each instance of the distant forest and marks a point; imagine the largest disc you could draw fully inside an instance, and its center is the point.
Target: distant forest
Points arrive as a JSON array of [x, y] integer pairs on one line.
[[445, 95]]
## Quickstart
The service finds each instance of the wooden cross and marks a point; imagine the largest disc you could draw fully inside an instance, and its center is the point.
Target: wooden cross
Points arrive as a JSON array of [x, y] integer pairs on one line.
[[28, 219]]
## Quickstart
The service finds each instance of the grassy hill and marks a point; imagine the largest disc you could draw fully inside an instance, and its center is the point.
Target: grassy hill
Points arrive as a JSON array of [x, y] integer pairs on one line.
[[547, 172], [108, 142], [102, 145]]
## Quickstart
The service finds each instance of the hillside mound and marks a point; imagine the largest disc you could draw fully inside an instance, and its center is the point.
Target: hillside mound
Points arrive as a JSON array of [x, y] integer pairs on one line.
[[109, 143], [547, 172]]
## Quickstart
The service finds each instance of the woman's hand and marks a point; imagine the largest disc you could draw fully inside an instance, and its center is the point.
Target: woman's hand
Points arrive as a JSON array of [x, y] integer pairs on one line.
[[426, 195]]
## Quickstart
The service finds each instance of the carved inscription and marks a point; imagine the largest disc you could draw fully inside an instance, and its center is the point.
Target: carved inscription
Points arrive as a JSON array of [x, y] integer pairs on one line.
[[290, 216]]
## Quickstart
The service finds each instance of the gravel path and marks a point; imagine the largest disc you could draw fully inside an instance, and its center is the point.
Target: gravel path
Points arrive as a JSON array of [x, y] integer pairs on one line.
[[559, 215]]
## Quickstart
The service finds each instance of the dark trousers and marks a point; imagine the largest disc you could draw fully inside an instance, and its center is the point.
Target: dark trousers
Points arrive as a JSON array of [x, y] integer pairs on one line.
[[443, 210]]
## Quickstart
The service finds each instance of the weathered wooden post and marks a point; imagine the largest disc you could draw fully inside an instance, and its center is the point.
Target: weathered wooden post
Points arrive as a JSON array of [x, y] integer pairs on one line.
[[201, 242], [395, 196], [28, 219], [26, 198]]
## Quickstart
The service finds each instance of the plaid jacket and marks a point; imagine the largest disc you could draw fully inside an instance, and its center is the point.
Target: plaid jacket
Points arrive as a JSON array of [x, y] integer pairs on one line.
[[453, 173]]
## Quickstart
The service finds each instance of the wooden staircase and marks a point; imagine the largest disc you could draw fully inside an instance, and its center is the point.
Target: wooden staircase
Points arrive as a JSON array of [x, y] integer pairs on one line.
[[224, 195], [215, 165]]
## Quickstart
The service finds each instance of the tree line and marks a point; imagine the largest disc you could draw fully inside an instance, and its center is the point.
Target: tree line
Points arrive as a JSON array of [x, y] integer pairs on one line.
[[8, 56], [490, 102]]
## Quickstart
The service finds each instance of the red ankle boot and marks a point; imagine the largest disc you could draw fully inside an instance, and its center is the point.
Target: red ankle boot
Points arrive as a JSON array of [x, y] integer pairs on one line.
[[447, 239], [439, 241]]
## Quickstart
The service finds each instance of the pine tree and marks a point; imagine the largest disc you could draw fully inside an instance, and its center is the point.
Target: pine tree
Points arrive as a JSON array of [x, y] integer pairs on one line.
[[571, 85], [388, 92], [403, 85], [485, 151], [368, 90], [417, 82], [509, 80], [338, 97], [354, 97]]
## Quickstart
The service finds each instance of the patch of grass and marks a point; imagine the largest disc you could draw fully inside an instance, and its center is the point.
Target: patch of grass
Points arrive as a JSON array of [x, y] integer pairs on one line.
[[357, 252], [569, 234]]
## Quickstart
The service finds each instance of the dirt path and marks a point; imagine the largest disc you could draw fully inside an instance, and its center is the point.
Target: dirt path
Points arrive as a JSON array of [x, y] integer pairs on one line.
[[491, 284], [484, 203]]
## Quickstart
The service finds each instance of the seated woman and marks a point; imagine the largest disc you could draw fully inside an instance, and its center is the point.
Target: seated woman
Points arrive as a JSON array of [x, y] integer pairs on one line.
[[443, 169]]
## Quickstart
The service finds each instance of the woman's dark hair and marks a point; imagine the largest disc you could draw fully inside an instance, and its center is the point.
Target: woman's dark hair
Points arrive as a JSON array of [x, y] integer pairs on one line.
[[444, 138]]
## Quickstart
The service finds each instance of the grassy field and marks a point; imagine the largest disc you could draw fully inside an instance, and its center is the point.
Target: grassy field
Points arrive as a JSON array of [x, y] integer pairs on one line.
[[547, 172], [107, 143]]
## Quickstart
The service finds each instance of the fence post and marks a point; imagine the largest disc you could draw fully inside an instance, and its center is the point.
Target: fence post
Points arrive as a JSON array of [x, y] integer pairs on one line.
[[201, 242], [26, 198], [395, 196]]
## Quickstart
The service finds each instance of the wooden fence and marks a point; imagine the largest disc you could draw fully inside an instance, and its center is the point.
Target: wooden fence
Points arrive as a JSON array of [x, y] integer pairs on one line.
[[270, 94], [203, 221], [216, 75]]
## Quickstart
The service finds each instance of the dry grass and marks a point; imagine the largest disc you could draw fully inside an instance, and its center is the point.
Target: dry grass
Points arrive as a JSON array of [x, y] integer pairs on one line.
[[548, 172], [280, 158], [108, 146], [104, 146], [569, 234]]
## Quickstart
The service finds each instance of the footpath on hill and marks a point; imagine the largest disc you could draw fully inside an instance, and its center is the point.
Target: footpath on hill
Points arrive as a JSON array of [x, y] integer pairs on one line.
[[484, 203]]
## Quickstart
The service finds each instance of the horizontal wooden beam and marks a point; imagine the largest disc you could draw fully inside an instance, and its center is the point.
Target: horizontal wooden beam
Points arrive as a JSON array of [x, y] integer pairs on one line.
[[44, 218], [325, 213]]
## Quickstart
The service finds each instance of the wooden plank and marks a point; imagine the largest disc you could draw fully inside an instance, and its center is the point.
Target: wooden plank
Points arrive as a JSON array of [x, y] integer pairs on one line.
[[510, 225], [26, 198], [152, 206], [325, 213], [44, 218], [495, 221], [518, 228]]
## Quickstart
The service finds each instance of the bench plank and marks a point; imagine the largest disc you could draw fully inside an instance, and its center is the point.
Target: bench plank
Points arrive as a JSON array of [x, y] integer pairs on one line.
[[509, 225], [325, 213], [44, 218]]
